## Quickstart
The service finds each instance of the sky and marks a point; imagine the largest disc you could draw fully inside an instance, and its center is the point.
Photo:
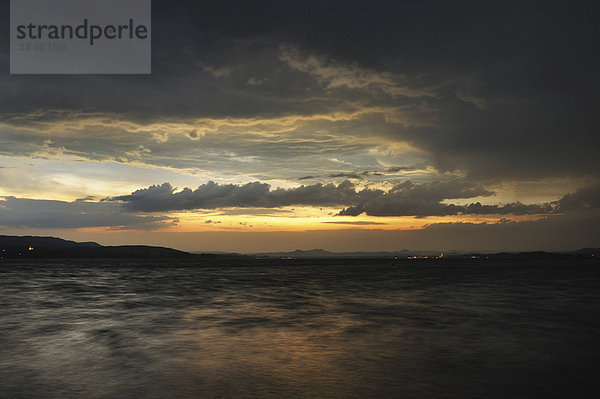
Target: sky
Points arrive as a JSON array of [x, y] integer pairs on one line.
[[343, 125]]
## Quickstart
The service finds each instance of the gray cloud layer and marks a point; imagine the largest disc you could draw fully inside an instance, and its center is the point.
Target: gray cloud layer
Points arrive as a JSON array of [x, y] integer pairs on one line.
[[23, 212], [405, 199], [211, 195], [493, 89]]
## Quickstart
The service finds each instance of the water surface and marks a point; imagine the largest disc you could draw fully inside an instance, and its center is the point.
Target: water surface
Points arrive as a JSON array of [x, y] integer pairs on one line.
[[299, 329]]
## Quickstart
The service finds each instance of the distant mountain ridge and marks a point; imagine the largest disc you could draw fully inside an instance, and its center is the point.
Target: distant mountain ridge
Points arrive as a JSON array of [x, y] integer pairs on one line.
[[322, 253], [405, 253], [52, 247], [49, 242]]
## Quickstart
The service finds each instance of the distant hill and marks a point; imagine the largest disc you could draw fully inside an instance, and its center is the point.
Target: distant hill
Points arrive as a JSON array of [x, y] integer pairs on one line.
[[404, 253], [52, 247], [588, 251], [42, 242], [321, 253], [580, 253]]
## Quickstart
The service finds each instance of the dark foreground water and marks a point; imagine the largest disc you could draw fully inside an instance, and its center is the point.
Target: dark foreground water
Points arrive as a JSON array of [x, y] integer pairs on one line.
[[312, 329]]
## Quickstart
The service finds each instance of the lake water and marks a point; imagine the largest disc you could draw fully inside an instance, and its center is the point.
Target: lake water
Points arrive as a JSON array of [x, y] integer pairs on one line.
[[299, 329]]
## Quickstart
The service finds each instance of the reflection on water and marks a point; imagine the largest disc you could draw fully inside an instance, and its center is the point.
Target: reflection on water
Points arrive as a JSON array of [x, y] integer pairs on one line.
[[363, 329]]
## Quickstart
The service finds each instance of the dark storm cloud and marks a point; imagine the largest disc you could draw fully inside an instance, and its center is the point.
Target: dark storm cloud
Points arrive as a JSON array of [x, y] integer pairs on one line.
[[23, 212], [213, 196], [405, 199], [584, 198], [200, 68], [501, 90], [411, 201], [393, 205]]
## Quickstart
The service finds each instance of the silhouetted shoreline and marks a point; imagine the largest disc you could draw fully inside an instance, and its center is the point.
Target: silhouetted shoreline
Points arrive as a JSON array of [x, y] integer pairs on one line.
[[51, 247]]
